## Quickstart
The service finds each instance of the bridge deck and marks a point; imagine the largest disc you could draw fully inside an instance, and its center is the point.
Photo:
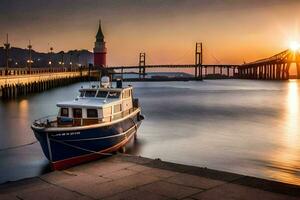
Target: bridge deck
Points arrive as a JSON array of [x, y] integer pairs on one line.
[[171, 66]]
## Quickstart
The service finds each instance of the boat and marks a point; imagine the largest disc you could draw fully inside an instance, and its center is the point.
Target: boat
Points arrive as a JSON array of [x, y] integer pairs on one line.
[[97, 123]]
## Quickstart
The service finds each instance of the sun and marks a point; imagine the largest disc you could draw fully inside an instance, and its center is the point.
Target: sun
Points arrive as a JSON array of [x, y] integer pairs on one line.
[[294, 46]]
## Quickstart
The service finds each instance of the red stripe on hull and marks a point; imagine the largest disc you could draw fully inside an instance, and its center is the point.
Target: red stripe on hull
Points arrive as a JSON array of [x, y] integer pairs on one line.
[[67, 163]]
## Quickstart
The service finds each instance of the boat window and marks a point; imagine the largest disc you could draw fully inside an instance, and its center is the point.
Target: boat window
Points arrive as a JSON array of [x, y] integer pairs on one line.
[[107, 111], [81, 94], [90, 93], [77, 113], [114, 95], [64, 112], [92, 113], [102, 94], [117, 108]]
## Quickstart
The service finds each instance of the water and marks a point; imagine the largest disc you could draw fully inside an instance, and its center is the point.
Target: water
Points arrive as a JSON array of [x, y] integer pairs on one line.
[[241, 126]]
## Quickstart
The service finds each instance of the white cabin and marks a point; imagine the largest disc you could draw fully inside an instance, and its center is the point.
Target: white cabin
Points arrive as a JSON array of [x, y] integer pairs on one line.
[[96, 105]]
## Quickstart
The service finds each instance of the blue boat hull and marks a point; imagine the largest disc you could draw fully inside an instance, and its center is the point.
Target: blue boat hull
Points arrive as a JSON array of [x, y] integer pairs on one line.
[[68, 148]]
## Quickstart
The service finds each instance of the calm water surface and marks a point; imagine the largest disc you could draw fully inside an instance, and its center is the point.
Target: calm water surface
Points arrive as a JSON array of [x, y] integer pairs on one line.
[[242, 126]]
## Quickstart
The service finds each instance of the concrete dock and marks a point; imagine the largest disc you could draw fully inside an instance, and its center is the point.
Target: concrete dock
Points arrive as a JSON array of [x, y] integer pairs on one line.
[[130, 177]]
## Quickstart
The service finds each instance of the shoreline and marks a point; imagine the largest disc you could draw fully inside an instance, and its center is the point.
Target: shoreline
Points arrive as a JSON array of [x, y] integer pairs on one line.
[[122, 176]]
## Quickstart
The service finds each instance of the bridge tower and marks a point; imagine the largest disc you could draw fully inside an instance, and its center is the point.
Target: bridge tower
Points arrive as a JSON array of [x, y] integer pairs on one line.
[[142, 64], [100, 49], [7, 47], [198, 60]]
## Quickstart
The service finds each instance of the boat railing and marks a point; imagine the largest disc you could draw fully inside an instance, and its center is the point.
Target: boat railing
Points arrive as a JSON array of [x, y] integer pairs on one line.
[[55, 121], [47, 121]]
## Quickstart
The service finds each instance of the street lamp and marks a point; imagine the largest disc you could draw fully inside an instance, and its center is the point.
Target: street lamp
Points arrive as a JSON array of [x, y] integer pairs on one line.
[[50, 59], [7, 47], [71, 59], [29, 61], [62, 59], [71, 64], [50, 63]]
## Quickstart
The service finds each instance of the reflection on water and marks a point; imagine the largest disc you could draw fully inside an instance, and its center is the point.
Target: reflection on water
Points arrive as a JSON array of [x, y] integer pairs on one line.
[[23, 107], [292, 115], [293, 132], [285, 161], [241, 126]]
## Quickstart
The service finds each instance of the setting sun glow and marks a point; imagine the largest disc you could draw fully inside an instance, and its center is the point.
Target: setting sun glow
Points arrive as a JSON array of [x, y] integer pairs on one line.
[[294, 45]]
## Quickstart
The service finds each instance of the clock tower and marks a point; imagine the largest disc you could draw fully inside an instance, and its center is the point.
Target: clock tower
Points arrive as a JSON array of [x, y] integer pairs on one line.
[[100, 49]]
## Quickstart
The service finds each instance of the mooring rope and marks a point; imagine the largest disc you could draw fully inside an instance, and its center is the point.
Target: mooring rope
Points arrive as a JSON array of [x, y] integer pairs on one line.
[[88, 150], [19, 146]]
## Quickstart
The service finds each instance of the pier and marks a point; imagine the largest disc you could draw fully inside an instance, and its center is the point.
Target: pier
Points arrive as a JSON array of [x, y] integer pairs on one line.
[[17, 82], [273, 68], [131, 177]]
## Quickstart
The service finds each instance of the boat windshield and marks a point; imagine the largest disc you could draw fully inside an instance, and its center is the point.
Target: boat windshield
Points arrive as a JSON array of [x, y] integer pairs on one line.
[[114, 95], [111, 95], [90, 93], [102, 94], [81, 93]]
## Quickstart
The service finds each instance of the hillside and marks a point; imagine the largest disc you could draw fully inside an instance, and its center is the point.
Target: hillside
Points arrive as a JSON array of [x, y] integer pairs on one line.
[[19, 56]]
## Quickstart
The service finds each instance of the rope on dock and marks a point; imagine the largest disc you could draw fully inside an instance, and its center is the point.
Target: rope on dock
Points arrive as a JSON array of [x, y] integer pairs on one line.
[[19, 146]]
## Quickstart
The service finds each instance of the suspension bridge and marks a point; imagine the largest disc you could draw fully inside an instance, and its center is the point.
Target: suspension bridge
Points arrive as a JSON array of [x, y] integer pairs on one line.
[[196, 71]]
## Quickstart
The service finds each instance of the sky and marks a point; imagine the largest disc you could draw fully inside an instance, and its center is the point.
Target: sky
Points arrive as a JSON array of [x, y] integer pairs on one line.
[[232, 31]]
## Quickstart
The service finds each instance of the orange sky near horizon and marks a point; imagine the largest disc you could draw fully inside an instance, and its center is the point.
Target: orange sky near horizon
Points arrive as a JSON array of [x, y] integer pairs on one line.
[[231, 31]]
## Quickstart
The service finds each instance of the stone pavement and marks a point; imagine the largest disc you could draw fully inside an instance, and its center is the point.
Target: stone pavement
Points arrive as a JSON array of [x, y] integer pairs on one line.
[[132, 177]]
